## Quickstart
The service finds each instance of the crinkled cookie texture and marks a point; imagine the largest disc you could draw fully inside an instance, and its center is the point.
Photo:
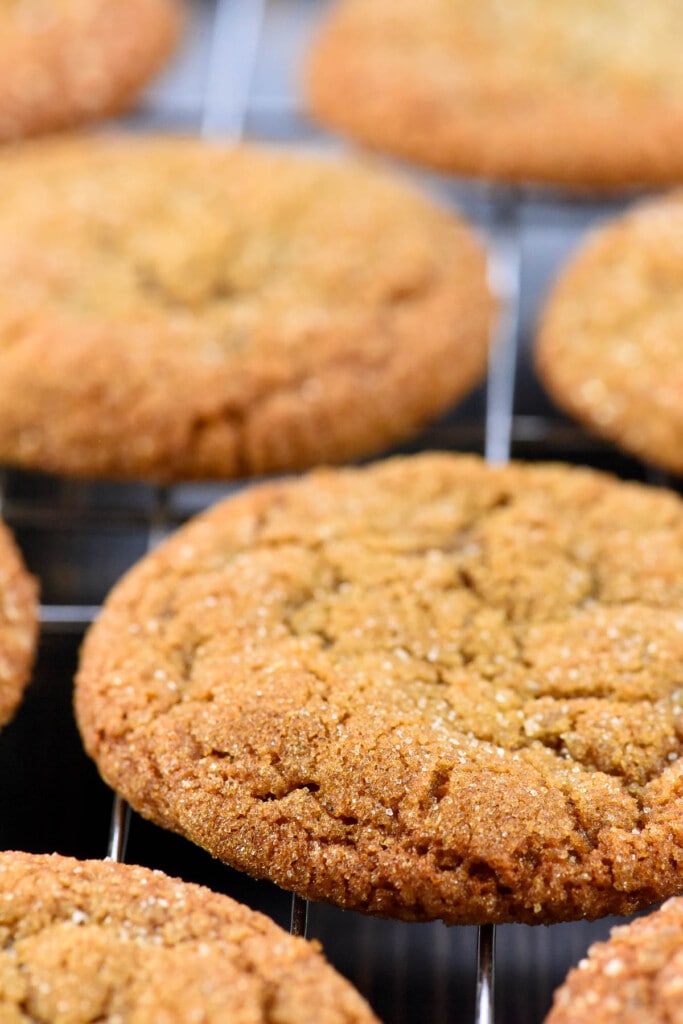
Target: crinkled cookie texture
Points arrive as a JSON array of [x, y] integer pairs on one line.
[[636, 977], [66, 62], [573, 93], [91, 942], [18, 625], [424, 689], [610, 344], [173, 309]]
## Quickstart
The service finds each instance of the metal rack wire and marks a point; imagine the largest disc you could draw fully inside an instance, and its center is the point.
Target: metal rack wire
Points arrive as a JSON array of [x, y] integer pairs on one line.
[[236, 78]]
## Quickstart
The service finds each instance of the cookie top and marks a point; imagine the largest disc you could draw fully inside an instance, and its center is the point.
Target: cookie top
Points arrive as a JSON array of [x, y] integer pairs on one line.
[[636, 977], [428, 688], [65, 62], [481, 88], [172, 309], [86, 941], [610, 344], [18, 625]]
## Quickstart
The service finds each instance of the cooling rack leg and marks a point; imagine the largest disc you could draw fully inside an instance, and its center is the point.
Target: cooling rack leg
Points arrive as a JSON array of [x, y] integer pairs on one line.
[[505, 275], [483, 1009], [237, 28], [505, 272], [118, 832], [299, 919]]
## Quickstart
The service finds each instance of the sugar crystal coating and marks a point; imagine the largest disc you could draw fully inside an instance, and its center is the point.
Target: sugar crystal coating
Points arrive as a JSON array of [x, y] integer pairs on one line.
[[91, 942], [427, 688]]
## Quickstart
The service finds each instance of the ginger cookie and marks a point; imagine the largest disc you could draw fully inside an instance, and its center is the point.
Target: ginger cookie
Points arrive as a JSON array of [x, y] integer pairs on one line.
[[172, 309], [87, 941], [66, 62], [610, 345], [424, 689], [636, 977], [18, 625], [568, 93]]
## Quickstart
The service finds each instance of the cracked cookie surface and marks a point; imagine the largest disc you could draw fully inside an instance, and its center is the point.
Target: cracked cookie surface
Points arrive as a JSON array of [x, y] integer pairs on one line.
[[66, 62], [481, 88], [18, 624], [91, 942], [172, 309], [610, 344], [636, 977], [424, 689]]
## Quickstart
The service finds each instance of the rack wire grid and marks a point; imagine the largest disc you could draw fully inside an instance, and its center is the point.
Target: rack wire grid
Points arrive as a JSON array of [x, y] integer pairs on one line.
[[237, 76]]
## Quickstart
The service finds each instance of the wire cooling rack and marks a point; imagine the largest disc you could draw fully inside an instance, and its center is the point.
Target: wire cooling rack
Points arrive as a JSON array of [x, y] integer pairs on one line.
[[236, 76]]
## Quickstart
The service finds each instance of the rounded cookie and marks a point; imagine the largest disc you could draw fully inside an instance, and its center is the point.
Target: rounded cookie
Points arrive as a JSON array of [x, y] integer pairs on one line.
[[636, 977], [66, 62], [87, 941], [610, 343], [569, 93], [424, 689], [171, 309], [18, 625]]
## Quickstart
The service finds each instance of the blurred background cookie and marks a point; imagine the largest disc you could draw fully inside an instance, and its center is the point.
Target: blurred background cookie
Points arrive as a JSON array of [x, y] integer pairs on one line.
[[65, 62], [636, 977], [18, 624], [571, 93], [92, 940], [610, 344], [174, 309]]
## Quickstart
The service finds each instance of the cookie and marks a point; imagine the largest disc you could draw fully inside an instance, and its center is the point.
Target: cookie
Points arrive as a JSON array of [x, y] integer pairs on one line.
[[569, 93], [636, 977], [18, 625], [172, 309], [92, 940], [610, 343], [66, 62], [424, 689]]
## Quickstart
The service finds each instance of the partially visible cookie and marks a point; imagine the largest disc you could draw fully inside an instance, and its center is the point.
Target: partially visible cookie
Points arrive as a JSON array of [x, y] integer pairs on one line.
[[65, 62], [636, 977], [174, 309], [610, 344], [424, 689], [572, 92], [18, 625], [86, 941]]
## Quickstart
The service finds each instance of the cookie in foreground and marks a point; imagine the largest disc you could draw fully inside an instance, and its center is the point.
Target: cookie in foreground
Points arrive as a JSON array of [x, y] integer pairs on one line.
[[67, 63], [571, 94], [424, 689], [94, 940], [636, 977], [610, 343], [172, 309], [18, 624]]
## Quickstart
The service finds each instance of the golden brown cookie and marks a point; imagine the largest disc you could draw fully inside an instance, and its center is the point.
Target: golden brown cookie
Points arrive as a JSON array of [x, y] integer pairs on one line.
[[610, 346], [92, 941], [572, 92], [18, 625], [65, 62], [428, 688], [172, 309], [636, 977]]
